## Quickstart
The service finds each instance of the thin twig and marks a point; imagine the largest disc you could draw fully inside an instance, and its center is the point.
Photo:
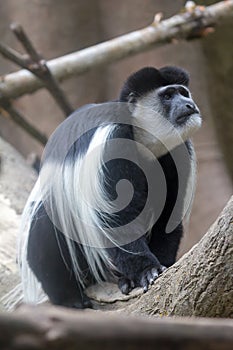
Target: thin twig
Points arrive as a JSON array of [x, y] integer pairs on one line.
[[12, 55], [25, 41], [17, 117]]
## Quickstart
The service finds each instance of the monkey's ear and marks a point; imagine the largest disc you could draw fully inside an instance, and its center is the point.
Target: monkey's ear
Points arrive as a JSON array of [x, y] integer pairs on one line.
[[175, 75], [131, 100]]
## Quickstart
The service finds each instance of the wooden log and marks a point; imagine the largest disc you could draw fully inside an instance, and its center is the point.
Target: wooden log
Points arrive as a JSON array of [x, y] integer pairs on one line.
[[57, 328]]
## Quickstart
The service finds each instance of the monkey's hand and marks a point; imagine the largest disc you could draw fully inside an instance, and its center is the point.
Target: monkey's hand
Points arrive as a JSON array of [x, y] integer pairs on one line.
[[145, 278], [136, 265]]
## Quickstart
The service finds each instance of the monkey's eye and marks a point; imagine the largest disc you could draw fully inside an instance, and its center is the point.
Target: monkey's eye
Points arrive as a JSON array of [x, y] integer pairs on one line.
[[183, 92], [167, 95]]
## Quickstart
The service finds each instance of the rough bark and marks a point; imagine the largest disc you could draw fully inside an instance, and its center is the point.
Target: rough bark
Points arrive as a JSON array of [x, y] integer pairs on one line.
[[188, 25], [55, 328]]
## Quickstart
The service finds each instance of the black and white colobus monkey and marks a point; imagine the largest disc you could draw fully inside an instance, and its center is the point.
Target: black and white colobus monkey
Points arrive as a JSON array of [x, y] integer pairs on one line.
[[75, 231]]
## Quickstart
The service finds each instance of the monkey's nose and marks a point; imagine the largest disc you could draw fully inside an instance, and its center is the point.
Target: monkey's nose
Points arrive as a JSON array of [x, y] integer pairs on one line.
[[192, 108], [187, 110]]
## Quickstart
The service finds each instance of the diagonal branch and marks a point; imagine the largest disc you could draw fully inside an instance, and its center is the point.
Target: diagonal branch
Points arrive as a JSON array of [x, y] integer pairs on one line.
[[192, 23], [12, 55], [15, 115], [38, 66], [34, 63], [25, 41]]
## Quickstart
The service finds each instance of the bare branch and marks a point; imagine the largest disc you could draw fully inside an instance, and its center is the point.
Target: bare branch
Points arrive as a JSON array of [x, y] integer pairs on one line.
[[15, 115], [25, 41], [12, 55], [36, 65], [188, 25]]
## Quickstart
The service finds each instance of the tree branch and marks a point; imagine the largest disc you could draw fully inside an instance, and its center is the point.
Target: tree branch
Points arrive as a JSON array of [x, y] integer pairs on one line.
[[34, 63], [56, 328], [188, 25], [38, 66], [26, 42], [12, 55]]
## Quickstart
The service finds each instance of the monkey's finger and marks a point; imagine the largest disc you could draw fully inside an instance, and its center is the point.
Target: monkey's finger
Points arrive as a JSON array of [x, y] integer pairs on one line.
[[154, 273], [125, 285], [162, 269], [150, 277], [144, 283], [132, 283]]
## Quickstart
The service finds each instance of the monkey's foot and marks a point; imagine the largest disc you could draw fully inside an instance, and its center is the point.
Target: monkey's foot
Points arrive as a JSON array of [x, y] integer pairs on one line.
[[149, 275], [146, 278], [125, 285]]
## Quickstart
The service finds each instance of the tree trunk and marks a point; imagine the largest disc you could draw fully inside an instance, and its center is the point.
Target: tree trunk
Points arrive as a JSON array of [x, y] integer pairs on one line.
[[218, 49]]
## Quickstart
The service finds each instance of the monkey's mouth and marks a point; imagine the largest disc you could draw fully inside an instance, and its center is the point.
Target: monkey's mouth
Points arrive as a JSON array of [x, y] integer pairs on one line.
[[184, 117]]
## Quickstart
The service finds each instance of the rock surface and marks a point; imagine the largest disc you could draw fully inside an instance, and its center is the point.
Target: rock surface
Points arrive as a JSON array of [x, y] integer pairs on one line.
[[16, 181]]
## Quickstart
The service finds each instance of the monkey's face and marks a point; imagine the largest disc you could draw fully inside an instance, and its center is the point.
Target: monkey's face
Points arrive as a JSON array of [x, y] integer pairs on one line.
[[178, 105], [169, 113]]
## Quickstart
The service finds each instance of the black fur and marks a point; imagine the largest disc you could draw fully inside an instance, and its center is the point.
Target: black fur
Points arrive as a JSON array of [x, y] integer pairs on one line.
[[150, 78], [139, 263], [49, 259]]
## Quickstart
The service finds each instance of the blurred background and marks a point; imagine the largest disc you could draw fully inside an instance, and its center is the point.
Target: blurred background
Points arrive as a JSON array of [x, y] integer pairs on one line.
[[57, 27]]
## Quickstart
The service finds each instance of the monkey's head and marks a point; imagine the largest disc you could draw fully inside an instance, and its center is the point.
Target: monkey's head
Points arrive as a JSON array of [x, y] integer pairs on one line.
[[161, 103]]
